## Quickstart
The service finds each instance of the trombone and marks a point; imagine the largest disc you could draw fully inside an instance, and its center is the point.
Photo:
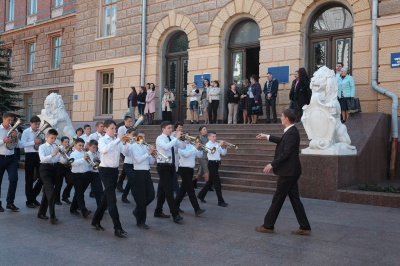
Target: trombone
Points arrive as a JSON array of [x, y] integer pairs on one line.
[[159, 155], [95, 166]]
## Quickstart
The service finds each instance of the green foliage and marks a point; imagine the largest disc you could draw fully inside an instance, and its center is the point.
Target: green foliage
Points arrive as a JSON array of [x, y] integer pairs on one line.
[[376, 188], [8, 98]]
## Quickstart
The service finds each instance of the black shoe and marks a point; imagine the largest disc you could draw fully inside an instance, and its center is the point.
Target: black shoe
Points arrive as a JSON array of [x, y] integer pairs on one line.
[[201, 199], [42, 216], [143, 226], [197, 122], [30, 205], [180, 211], [120, 188], [36, 203], [58, 203], [199, 212], [1, 207], [268, 122], [120, 233], [91, 194], [74, 212], [194, 183], [191, 122], [12, 207], [178, 218], [98, 226], [53, 220], [66, 201], [161, 215], [222, 204], [125, 200], [86, 213]]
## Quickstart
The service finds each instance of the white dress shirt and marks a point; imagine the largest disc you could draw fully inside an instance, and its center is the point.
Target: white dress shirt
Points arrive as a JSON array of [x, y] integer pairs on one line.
[[122, 129], [96, 136], [110, 149], [216, 156], [92, 156], [188, 156], [27, 140], [79, 165], [45, 153], [164, 146], [140, 156], [128, 159], [85, 137], [3, 148], [215, 93], [284, 131]]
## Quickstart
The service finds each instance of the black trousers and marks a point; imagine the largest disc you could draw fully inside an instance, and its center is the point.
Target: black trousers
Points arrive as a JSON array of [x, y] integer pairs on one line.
[[48, 174], [130, 173], [287, 185], [122, 176], [271, 104], [167, 116], [32, 166], [70, 183], [109, 177], [214, 179], [97, 187], [144, 193], [166, 173], [298, 110], [212, 111], [59, 181], [187, 187], [81, 182]]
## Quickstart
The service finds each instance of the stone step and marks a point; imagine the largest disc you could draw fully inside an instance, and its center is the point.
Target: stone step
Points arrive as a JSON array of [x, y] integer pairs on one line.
[[353, 195]]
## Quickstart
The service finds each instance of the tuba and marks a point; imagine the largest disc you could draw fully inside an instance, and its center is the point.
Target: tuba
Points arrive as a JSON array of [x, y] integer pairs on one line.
[[14, 143], [138, 122], [40, 131]]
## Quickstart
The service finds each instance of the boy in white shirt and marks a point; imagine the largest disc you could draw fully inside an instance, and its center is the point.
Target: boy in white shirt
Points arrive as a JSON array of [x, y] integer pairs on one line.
[[64, 171], [128, 168], [122, 130], [93, 174], [99, 131], [194, 103], [80, 177]]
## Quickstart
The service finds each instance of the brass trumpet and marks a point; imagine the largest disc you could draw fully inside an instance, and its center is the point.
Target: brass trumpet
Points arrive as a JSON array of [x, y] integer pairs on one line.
[[190, 138], [64, 154], [203, 147], [230, 145], [159, 155], [129, 139], [95, 166]]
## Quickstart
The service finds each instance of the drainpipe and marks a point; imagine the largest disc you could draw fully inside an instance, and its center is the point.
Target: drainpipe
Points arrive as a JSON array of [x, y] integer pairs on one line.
[[143, 55], [375, 86]]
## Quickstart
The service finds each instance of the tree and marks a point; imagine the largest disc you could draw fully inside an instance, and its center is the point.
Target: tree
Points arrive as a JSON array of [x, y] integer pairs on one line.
[[8, 98]]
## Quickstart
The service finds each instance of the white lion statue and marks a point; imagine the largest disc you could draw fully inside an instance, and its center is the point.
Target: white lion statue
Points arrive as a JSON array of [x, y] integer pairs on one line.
[[54, 112], [321, 118]]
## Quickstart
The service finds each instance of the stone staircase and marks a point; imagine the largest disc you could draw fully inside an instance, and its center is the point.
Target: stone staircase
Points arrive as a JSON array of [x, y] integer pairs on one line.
[[241, 169]]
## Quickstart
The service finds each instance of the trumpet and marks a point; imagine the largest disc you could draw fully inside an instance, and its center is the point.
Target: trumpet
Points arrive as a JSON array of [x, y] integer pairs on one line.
[[40, 131], [230, 145], [95, 166], [190, 138], [159, 155], [129, 139], [14, 144], [203, 147], [64, 154]]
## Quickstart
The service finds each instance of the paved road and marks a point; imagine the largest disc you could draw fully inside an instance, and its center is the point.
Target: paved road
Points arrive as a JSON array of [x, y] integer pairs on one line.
[[342, 234]]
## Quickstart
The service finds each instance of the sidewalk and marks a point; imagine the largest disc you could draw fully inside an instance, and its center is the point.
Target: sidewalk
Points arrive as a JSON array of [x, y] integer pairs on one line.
[[342, 234]]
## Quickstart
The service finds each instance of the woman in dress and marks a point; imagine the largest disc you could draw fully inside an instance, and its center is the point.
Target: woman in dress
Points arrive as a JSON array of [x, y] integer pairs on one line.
[[165, 107], [141, 100], [346, 91], [213, 98], [204, 100], [243, 101], [150, 107], [254, 93]]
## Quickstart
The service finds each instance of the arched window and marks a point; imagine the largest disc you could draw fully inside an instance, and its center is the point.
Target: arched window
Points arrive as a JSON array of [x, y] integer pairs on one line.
[[245, 32], [331, 34]]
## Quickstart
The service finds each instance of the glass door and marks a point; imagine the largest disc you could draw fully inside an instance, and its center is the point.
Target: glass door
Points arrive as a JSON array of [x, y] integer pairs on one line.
[[177, 82]]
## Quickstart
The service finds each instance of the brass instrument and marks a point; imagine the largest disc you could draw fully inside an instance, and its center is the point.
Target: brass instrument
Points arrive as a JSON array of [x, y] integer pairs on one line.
[[138, 122], [159, 155], [69, 148], [95, 166], [203, 147], [190, 138], [40, 131], [129, 139], [230, 145], [14, 144], [64, 154]]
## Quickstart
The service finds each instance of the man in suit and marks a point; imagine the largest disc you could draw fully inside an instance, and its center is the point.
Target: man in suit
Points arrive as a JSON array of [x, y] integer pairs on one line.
[[286, 165], [271, 91]]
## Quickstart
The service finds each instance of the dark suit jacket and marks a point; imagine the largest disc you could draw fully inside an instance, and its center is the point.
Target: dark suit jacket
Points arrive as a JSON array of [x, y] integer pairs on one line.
[[286, 160], [274, 88]]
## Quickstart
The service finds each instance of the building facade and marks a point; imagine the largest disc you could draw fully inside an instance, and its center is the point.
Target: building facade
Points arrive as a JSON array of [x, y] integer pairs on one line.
[[229, 40]]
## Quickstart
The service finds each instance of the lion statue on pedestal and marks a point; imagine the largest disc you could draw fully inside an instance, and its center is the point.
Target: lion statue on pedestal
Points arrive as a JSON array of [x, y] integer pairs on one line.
[[54, 112]]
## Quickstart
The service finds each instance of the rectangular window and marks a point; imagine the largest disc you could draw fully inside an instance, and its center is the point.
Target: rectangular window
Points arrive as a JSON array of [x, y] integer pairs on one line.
[[32, 8], [56, 55], [10, 10], [57, 3], [7, 52], [28, 106], [107, 93], [31, 47], [109, 20]]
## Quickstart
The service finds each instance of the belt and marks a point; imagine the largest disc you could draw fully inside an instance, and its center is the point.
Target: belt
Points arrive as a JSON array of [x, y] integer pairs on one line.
[[165, 163], [215, 161], [52, 164], [6, 156], [31, 152]]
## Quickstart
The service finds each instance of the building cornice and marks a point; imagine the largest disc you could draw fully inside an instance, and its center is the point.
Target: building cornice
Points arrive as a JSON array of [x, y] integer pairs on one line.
[[44, 87]]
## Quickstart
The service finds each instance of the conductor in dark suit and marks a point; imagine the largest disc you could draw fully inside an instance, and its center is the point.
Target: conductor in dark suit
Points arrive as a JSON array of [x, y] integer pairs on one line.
[[286, 165]]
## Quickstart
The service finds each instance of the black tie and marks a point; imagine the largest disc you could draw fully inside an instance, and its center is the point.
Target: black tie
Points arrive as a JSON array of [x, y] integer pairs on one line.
[[173, 152]]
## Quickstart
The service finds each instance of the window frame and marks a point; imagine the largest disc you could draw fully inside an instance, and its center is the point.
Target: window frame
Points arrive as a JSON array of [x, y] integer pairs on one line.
[[28, 106], [113, 27], [110, 93], [29, 61], [29, 9], [53, 52], [10, 16], [57, 3]]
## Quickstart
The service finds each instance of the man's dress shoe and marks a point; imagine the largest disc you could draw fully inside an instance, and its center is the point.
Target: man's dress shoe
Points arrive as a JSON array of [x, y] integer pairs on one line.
[[143, 226], [120, 233], [301, 232], [98, 226], [178, 218], [161, 215], [223, 204], [30, 205], [42, 216], [12, 207], [199, 212], [262, 229]]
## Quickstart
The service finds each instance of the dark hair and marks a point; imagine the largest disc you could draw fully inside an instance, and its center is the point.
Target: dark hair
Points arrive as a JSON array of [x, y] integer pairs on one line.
[[93, 142], [52, 131], [79, 140], [269, 73], [143, 88], [212, 132], [233, 83], [340, 63], [130, 130], [35, 119], [109, 122], [7, 115], [137, 132], [64, 138], [207, 81], [78, 129], [127, 117], [255, 77], [177, 124], [216, 81], [86, 126], [303, 73], [99, 123], [148, 84], [290, 114], [201, 128], [133, 88], [164, 124], [154, 86]]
